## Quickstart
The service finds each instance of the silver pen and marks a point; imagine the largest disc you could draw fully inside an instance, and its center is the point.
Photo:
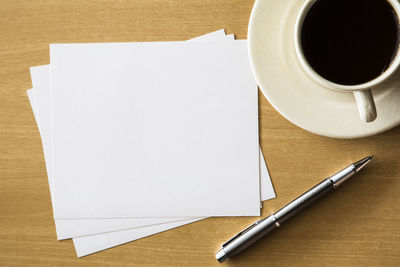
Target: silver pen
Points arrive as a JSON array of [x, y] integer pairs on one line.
[[259, 229]]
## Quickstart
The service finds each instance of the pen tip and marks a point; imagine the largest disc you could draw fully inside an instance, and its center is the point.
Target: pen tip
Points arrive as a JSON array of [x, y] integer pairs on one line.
[[361, 163]]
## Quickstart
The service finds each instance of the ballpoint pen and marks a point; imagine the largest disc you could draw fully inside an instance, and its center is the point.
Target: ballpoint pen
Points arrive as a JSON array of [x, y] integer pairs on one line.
[[259, 229]]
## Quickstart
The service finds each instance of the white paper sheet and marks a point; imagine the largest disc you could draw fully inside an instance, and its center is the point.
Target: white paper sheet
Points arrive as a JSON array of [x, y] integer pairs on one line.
[[108, 120], [70, 228], [91, 244]]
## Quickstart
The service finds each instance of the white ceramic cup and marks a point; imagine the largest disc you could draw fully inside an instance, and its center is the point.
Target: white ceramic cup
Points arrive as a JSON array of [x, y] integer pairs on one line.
[[362, 92]]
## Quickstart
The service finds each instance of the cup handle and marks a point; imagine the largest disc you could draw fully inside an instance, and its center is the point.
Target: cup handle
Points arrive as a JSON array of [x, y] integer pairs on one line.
[[366, 105]]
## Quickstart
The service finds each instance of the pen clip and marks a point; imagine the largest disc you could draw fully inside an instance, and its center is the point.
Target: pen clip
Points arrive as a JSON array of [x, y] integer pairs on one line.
[[242, 232]]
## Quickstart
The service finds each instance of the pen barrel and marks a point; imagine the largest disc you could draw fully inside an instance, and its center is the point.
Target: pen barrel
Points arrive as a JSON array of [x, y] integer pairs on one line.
[[304, 201], [257, 232]]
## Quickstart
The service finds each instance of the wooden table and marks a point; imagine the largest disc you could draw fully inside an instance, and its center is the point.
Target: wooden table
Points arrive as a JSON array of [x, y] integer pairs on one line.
[[358, 225]]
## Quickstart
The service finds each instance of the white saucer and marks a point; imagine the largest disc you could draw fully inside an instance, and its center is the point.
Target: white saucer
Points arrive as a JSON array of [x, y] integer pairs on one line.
[[296, 96]]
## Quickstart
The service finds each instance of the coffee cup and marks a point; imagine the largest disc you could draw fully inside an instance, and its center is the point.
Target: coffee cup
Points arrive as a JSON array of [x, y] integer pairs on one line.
[[342, 45]]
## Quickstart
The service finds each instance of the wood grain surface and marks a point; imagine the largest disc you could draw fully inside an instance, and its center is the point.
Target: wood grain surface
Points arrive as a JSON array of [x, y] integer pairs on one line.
[[358, 225]]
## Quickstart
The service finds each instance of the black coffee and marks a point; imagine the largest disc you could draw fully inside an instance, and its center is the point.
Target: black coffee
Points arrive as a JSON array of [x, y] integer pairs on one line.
[[350, 41]]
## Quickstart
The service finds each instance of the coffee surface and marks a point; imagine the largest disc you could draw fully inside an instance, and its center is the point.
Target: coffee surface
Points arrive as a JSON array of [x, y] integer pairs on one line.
[[350, 41]]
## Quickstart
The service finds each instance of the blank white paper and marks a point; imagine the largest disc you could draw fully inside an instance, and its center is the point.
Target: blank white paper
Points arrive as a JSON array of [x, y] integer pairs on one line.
[[79, 227], [90, 244], [170, 139]]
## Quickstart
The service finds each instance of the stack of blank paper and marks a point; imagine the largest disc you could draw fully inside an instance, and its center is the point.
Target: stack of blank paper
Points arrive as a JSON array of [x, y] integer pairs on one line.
[[140, 138]]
